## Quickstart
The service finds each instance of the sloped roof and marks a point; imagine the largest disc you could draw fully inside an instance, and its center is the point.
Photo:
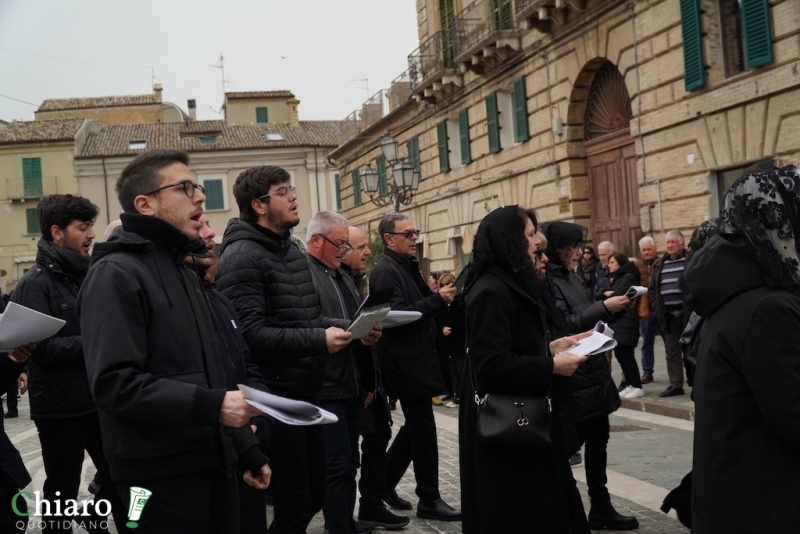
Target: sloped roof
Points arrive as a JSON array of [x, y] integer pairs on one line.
[[62, 104], [244, 95], [38, 131], [113, 140]]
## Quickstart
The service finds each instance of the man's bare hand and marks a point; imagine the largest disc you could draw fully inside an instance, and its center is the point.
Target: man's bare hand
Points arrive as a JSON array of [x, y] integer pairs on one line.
[[22, 383], [446, 331], [617, 304], [373, 336], [448, 293], [235, 411], [337, 339], [21, 353], [261, 479], [565, 363]]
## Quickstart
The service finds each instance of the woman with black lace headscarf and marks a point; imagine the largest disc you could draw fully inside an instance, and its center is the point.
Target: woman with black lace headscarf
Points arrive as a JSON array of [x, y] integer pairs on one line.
[[510, 346], [746, 283]]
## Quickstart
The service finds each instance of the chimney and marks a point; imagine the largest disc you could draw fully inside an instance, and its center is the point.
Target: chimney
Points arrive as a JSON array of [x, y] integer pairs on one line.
[[294, 118], [192, 105], [157, 88]]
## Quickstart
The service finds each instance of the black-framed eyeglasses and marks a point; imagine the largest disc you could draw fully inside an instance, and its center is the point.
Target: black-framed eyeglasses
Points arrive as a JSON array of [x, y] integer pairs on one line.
[[189, 187], [407, 234], [341, 250], [281, 192]]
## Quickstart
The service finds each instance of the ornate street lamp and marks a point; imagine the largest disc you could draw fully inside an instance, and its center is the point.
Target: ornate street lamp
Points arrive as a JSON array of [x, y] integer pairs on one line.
[[405, 178]]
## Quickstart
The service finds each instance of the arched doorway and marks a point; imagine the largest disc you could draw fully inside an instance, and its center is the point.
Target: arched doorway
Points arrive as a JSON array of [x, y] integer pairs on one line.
[[611, 162]]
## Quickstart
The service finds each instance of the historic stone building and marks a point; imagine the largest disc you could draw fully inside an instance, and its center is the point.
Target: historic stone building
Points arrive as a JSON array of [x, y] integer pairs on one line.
[[630, 117]]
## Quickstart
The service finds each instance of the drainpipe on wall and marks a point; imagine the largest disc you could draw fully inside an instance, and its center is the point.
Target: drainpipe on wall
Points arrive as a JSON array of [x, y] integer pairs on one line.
[[105, 189]]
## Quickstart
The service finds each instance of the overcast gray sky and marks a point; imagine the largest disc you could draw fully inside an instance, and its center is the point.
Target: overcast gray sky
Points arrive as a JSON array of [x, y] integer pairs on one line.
[[79, 48]]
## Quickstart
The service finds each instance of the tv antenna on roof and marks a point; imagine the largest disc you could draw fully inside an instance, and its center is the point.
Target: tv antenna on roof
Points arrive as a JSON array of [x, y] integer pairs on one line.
[[365, 86], [152, 74], [221, 68]]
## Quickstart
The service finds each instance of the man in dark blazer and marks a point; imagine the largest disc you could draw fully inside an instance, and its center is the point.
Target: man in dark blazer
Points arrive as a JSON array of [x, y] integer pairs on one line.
[[411, 368]]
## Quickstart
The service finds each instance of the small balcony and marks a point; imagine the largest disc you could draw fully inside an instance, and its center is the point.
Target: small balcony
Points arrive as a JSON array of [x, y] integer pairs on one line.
[[485, 35], [431, 68], [546, 15], [31, 188]]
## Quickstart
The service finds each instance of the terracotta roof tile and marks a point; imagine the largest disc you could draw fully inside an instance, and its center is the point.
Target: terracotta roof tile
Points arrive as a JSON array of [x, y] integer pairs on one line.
[[113, 140], [244, 95], [36, 131], [61, 104]]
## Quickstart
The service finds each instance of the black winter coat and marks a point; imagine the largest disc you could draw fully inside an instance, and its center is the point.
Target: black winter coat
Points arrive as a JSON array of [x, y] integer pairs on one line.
[[512, 489], [595, 392], [454, 317], [58, 387], [269, 282], [13, 475], [746, 474], [624, 324], [409, 359]]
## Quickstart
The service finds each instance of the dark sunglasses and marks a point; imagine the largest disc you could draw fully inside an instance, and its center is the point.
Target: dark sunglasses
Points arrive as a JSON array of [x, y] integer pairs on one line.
[[189, 187], [408, 234]]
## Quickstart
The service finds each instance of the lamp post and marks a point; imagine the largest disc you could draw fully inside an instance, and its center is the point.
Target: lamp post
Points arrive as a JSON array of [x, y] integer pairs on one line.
[[405, 178]]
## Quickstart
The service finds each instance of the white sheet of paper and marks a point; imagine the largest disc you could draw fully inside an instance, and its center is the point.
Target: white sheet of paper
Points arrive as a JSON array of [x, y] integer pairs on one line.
[[20, 325], [289, 411], [397, 318], [597, 343], [635, 291], [366, 320]]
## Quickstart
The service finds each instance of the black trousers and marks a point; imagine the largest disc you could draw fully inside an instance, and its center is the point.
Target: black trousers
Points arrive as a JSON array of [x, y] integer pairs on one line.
[[627, 360], [594, 434], [198, 503], [11, 398], [8, 519], [297, 460], [372, 483], [252, 508], [671, 329], [415, 441], [457, 371], [63, 444], [341, 447]]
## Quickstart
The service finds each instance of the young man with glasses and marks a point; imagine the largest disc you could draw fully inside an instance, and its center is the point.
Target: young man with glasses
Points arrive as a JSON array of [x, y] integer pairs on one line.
[[411, 370], [269, 281]]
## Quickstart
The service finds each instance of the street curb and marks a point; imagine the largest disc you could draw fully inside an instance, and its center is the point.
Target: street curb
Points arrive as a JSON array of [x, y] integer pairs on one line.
[[659, 408]]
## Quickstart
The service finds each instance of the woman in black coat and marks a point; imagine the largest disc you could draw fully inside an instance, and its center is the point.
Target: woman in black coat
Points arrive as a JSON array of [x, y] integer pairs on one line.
[[745, 282], [622, 275], [512, 488]]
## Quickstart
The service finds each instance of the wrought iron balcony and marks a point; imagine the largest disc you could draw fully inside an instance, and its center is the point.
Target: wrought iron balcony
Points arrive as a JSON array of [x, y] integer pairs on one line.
[[485, 35], [545, 14], [431, 68], [31, 188]]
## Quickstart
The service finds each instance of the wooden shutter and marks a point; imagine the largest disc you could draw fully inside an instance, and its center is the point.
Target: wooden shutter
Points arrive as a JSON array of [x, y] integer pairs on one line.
[[383, 187], [261, 115], [413, 153], [463, 135], [521, 132], [32, 222], [32, 177], [692, 28], [493, 123], [444, 152], [338, 186], [215, 199], [757, 32], [356, 188]]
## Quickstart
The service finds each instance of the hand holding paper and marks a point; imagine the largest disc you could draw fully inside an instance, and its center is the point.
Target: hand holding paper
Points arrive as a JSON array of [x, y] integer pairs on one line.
[[600, 341], [635, 291], [21, 326]]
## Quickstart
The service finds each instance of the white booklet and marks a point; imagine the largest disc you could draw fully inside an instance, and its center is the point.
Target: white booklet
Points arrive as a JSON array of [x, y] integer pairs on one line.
[[289, 411], [601, 340], [635, 291], [20, 325], [397, 318]]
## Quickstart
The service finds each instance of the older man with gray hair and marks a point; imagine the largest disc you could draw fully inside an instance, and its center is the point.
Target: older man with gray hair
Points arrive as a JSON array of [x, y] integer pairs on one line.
[[647, 327], [605, 250], [666, 298]]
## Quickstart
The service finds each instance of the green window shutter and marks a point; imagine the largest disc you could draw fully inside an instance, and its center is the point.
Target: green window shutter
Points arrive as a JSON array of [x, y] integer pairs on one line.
[[444, 152], [413, 153], [493, 123], [463, 135], [32, 177], [356, 187], [32, 221], [261, 115], [338, 185], [693, 64], [383, 186], [215, 199], [757, 33], [521, 132]]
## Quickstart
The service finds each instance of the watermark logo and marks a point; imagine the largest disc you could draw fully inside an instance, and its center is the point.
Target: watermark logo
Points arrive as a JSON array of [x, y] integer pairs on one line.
[[139, 497], [54, 515]]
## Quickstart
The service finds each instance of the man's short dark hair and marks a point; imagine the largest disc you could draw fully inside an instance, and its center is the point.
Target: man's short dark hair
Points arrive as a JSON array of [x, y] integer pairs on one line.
[[61, 210], [388, 224], [142, 174], [253, 183]]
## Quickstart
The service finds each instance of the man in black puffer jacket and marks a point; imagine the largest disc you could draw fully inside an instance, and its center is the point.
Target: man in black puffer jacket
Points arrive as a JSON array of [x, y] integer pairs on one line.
[[268, 279], [595, 394], [61, 402]]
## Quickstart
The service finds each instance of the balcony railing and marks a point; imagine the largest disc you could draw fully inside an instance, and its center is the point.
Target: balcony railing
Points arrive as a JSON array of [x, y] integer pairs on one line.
[[29, 188], [542, 14], [431, 67], [479, 22]]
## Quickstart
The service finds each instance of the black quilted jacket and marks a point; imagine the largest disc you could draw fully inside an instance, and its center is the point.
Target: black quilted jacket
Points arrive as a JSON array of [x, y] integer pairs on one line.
[[269, 282]]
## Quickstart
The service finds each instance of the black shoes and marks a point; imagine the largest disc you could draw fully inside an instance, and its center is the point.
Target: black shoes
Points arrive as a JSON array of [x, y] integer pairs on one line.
[[382, 518], [11, 415], [437, 509], [609, 519], [391, 498], [671, 391]]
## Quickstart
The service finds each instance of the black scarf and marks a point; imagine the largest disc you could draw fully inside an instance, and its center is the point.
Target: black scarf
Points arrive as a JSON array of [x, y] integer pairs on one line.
[[68, 260]]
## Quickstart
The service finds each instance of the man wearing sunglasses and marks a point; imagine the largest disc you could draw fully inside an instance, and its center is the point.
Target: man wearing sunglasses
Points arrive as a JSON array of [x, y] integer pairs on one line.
[[411, 370], [269, 281]]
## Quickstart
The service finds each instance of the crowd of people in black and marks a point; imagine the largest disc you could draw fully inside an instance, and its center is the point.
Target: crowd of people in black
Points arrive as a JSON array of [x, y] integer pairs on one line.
[[162, 324]]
